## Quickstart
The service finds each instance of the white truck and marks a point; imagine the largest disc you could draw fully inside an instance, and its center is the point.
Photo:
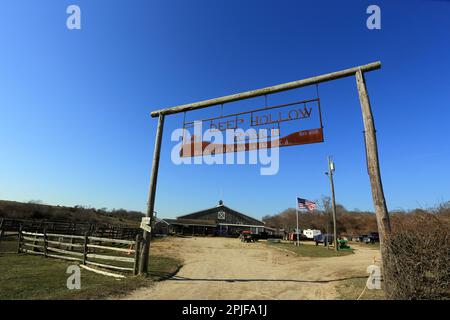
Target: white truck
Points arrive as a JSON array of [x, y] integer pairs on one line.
[[311, 233]]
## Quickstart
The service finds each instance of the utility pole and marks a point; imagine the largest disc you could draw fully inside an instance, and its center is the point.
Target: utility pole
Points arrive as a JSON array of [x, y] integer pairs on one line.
[[328, 228], [333, 199]]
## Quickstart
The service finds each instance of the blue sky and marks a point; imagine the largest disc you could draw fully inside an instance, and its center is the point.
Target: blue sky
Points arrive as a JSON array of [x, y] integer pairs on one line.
[[74, 104]]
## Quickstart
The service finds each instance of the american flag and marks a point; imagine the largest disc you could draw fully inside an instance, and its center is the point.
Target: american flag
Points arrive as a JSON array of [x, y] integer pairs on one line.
[[305, 204]]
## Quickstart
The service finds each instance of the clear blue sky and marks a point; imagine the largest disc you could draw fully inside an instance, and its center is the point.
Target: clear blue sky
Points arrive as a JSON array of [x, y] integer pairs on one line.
[[74, 105]]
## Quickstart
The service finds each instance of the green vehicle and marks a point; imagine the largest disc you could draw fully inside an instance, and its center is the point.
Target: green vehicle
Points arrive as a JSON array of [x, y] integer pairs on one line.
[[342, 244]]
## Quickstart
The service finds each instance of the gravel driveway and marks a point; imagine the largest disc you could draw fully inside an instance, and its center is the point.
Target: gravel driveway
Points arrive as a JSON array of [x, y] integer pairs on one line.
[[224, 268]]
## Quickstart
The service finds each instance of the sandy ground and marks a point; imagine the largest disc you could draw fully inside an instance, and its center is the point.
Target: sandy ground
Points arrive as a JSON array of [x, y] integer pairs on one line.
[[223, 268]]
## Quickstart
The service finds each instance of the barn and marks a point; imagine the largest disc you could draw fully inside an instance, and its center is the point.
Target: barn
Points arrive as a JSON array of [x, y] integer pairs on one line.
[[219, 220]]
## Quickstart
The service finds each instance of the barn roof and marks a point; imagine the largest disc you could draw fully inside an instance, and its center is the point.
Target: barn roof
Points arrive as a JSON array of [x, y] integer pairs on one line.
[[215, 209], [190, 222]]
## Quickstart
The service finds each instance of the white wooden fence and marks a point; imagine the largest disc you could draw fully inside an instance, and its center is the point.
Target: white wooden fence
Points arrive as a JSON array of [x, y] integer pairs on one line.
[[84, 249]]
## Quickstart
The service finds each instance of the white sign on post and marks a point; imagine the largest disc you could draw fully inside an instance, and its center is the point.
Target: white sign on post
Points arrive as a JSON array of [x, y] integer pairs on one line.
[[146, 220], [146, 227]]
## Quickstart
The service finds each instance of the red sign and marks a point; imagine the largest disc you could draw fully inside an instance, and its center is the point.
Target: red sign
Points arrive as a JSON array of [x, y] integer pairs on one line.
[[256, 129]]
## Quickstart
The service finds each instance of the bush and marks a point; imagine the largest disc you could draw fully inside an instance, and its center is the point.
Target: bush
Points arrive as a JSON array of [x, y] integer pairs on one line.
[[417, 257]]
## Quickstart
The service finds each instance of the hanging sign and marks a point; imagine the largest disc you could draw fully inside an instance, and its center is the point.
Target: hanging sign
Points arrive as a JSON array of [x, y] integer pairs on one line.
[[283, 125]]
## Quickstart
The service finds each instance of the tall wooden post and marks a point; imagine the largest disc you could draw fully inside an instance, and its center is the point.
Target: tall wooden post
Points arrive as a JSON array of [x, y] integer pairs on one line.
[[143, 267], [328, 230], [384, 226]]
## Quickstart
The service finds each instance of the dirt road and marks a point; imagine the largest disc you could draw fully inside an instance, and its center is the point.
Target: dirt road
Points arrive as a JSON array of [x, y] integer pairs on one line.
[[223, 268]]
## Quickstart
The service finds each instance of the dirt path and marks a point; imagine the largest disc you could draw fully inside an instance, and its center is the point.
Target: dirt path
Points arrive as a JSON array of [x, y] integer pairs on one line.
[[222, 268]]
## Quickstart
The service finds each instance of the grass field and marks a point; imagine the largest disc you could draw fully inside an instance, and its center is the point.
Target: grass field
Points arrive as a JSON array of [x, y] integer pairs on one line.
[[374, 246], [25, 276], [308, 250], [351, 289]]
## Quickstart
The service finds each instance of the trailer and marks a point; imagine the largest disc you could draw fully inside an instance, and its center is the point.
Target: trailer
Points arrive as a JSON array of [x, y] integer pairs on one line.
[[311, 233]]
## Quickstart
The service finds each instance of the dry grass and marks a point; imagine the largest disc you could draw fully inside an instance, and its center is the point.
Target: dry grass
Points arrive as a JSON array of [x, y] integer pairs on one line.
[[34, 277], [351, 289], [309, 250]]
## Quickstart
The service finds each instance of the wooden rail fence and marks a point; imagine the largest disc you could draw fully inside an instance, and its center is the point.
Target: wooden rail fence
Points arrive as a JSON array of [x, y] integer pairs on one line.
[[87, 250], [127, 232]]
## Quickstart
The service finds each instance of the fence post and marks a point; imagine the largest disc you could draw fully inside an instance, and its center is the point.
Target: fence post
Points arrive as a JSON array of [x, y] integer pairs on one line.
[[71, 242], [85, 250], [19, 240], [45, 242], [35, 243], [136, 254]]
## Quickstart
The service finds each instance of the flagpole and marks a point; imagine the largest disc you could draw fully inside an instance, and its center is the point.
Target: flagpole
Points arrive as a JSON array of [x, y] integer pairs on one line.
[[296, 210]]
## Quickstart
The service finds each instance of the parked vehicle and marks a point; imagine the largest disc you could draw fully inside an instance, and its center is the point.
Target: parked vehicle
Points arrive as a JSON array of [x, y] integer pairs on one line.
[[265, 235], [293, 237], [248, 236], [342, 244], [323, 238], [360, 238], [372, 237]]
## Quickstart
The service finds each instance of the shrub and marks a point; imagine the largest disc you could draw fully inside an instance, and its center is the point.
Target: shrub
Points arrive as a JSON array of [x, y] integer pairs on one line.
[[417, 257]]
